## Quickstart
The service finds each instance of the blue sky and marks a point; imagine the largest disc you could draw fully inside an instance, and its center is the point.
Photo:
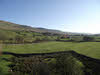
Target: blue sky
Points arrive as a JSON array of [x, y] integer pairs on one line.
[[65, 15]]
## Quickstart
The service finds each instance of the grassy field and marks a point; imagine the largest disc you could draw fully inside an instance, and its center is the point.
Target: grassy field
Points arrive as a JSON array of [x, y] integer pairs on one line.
[[91, 49]]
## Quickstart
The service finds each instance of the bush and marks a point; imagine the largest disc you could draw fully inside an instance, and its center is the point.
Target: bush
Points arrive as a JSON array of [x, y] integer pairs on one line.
[[87, 38], [37, 65], [66, 65], [29, 66]]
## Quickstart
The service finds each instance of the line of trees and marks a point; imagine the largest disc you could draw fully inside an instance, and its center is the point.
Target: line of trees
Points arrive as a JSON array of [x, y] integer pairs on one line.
[[26, 37]]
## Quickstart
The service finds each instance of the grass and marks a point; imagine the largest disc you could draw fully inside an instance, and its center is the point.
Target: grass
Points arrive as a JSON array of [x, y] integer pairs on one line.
[[91, 49], [4, 65]]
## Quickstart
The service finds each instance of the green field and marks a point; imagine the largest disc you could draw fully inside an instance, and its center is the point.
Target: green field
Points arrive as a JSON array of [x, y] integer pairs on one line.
[[91, 49]]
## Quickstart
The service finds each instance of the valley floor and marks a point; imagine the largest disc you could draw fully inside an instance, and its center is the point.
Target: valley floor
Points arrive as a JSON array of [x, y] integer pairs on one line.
[[91, 49]]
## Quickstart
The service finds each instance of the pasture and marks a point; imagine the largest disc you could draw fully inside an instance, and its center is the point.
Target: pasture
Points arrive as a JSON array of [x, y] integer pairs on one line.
[[91, 49]]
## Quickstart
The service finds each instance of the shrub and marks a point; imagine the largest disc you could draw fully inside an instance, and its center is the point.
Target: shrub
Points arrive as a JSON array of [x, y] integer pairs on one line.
[[87, 38], [36, 65]]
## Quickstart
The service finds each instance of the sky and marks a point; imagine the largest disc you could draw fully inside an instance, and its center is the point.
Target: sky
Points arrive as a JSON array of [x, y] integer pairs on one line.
[[66, 15]]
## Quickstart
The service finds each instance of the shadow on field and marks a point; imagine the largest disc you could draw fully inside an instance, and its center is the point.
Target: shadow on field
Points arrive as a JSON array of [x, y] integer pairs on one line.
[[55, 63]]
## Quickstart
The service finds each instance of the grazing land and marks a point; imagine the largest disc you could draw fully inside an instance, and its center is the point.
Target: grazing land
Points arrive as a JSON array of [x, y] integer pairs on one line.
[[91, 49]]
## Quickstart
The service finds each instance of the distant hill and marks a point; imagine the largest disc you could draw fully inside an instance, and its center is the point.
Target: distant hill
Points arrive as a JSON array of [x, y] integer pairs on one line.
[[16, 27], [4, 25], [15, 33]]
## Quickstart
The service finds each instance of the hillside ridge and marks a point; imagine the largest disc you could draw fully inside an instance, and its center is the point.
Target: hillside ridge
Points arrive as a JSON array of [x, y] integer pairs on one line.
[[13, 26]]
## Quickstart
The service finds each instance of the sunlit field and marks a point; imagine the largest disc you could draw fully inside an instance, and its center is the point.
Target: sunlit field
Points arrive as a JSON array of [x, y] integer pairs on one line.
[[91, 49]]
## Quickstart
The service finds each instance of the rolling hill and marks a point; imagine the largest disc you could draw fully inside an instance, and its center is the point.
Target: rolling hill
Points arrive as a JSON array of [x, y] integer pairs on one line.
[[4, 25]]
